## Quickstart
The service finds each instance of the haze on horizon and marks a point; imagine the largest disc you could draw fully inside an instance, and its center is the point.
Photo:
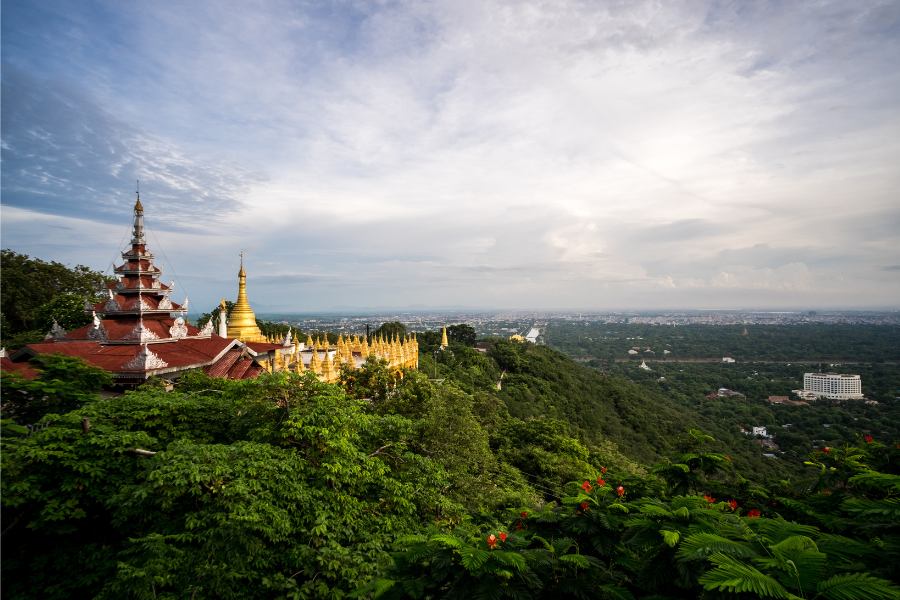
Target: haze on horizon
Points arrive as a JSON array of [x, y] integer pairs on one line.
[[465, 154]]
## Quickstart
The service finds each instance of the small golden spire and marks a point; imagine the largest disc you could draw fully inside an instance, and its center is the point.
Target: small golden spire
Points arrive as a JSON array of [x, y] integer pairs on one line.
[[444, 341]]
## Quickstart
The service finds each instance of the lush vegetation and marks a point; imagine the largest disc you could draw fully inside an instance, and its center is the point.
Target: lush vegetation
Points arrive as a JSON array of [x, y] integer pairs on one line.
[[812, 342], [34, 293], [564, 482]]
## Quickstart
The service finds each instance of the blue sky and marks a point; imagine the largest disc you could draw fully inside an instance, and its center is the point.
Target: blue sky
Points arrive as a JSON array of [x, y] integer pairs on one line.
[[587, 155]]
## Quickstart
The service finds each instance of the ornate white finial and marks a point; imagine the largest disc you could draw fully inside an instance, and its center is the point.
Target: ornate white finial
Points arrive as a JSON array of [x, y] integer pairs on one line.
[[223, 320], [179, 329], [184, 305], [111, 305], [207, 329], [172, 285], [165, 303], [98, 331], [287, 339], [145, 360]]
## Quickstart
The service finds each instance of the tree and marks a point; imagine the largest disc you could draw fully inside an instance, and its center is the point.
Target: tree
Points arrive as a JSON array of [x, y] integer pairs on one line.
[[64, 383], [390, 329], [27, 284], [462, 334], [66, 309]]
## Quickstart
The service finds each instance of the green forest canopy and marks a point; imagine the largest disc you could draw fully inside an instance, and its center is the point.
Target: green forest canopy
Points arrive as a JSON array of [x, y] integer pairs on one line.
[[286, 487]]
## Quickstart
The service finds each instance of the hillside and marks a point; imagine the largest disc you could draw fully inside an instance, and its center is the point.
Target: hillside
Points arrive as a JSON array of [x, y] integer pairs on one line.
[[416, 488], [642, 423]]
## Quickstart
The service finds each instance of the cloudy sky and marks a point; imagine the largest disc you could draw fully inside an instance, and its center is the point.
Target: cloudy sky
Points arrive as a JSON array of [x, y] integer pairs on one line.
[[585, 155]]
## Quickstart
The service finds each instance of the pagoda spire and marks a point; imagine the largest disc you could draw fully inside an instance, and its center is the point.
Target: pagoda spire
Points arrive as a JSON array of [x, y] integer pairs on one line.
[[242, 324], [137, 236]]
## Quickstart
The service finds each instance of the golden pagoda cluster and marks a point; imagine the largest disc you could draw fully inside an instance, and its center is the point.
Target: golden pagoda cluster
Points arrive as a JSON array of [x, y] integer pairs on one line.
[[326, 359], [316, 355]]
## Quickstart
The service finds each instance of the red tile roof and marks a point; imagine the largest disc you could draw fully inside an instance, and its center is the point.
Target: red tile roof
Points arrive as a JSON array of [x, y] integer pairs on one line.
[[263, 347], [21, 368], [180, 354], [120, 327], [234, 365]]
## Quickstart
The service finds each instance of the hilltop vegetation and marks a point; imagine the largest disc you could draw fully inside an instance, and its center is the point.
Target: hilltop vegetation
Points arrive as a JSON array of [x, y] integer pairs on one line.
[[34, 292], [814, 342], [423, 487]]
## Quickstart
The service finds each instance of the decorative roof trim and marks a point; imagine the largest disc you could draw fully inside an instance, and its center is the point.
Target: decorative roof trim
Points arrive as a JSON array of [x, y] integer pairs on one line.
[[145, 360], [179, 329]]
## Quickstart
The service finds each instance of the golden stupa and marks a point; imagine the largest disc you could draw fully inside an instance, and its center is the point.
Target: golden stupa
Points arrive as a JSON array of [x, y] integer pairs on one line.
[[242, 321]]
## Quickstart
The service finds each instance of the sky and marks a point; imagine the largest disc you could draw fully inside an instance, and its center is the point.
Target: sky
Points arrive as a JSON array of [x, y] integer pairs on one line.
[[464, 154]]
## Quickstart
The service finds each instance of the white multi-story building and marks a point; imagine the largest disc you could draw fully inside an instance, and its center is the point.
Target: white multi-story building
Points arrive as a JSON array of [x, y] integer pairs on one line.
[[833, 386]]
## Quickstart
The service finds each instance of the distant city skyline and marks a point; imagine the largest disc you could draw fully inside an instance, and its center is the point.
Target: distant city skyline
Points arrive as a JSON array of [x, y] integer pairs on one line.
[[464, 155]]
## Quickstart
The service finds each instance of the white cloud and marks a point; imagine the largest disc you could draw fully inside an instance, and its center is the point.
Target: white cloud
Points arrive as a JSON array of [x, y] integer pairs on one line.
[[485, 152]]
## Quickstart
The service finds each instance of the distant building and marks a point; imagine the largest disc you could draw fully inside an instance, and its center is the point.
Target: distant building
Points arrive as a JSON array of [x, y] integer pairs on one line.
[[833, 386], [727, 359], [632, 352], [804, 395], [785, 400]]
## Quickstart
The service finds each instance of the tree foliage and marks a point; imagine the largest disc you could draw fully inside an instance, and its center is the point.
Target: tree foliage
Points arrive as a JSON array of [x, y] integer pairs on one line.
[[422, 486], [391, 329], [29, 288]]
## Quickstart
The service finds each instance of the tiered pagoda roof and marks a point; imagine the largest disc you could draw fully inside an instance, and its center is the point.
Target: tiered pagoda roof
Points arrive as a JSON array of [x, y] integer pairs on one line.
[[138, 331]]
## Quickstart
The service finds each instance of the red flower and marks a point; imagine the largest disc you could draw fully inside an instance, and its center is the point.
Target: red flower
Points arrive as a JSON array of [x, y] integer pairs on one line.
[[733, 504], [603, 470], [753, 513], [620, 491], [491, 541], [524, 514], [586, 486], [869, 439], [709, 498], [502, 536], [601, 482], [826, 449], [583, 506]]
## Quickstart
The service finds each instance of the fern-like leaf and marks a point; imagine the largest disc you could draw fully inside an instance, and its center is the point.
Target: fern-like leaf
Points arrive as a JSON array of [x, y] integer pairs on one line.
[[670, 537], [511, 559], [857, 586], [702, 545], [447, 540], [873, 480], [473, 558], [579, 560], [733, 576]]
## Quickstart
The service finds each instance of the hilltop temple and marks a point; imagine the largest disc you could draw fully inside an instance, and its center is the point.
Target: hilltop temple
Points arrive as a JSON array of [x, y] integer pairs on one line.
[[138, 332]]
